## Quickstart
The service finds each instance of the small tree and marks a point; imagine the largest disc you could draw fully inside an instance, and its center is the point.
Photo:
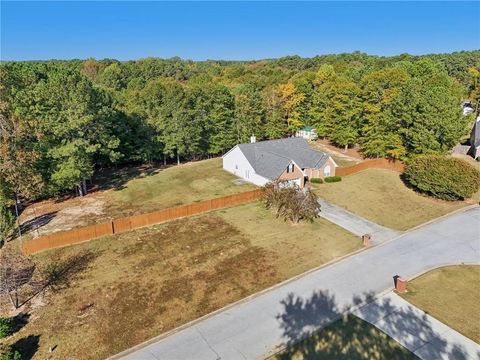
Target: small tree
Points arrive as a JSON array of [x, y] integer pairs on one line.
[[443, 177], [16, 274], [290, 202]]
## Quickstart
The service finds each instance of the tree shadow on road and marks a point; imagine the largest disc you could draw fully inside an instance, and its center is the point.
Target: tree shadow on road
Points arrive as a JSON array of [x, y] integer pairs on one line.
[[349, 337]]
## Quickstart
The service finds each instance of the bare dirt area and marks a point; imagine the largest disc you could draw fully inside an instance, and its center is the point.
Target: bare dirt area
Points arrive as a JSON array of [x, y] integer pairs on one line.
[[342, 157], [49, 216]]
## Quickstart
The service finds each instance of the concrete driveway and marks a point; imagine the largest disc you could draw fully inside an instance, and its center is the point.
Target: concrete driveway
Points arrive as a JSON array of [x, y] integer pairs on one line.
[[356, 224], [254, 328]]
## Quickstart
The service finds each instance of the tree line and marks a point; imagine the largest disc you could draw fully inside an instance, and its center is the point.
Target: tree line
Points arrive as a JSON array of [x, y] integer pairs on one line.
[[60, 121]]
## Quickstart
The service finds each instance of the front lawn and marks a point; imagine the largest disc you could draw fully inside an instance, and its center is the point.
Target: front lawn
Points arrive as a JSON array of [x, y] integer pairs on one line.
[[381, 196], [347, 339], [451, 295], [133, 286]]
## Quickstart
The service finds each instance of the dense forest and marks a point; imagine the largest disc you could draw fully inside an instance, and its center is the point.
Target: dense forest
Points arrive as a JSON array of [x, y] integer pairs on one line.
[[60, 121]]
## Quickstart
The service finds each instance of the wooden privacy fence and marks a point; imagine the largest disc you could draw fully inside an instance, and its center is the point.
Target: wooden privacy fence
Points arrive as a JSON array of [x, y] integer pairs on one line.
[[382, 163], [75, 236]]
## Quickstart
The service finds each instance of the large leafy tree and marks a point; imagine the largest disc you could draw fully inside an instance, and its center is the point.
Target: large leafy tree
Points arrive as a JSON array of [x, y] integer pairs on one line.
[[427, 111], [275, 126], [380, 135], [160, 103], [338, 106], [291, 100], [73, 123], [250, 117], [219, 122], [473, 88]]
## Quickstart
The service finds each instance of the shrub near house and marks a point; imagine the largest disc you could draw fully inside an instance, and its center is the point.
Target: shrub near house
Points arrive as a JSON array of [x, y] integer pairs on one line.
[[291, 203], [332, 179], [443, 177]]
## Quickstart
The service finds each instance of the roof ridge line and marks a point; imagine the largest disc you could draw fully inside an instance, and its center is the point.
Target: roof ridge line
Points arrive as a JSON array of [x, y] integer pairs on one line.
[[274, 153]]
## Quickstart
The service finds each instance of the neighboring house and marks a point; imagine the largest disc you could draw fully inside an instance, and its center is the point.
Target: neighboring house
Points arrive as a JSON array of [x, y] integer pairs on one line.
[[467, 108], [475, 139], [308, 133], [284, 159]]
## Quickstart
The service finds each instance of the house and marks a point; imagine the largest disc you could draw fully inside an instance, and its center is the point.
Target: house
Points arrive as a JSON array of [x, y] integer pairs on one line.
[[288, 159], [307, 132], [467, 108]]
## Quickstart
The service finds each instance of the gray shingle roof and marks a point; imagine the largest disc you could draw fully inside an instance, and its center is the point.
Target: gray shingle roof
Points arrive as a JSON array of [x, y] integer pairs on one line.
[[270, 158]]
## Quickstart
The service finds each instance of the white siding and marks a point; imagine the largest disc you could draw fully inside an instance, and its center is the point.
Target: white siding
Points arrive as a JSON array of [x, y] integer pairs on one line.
[[235, 162]]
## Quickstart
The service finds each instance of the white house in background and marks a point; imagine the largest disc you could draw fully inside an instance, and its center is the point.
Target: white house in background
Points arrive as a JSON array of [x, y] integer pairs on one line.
[[467, 108], [288, 159], [307, 132]]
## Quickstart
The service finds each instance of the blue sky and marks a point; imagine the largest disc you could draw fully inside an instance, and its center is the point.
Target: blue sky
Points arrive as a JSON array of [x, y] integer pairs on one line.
[[233, 30]]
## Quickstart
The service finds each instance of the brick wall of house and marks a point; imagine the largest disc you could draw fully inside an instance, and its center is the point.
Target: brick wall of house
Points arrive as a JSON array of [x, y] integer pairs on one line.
[[319, 173], [296, 174]]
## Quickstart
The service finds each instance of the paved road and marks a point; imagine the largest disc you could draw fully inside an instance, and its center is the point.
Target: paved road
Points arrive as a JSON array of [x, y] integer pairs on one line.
[[419, 332], [254, 328], [355, 223]]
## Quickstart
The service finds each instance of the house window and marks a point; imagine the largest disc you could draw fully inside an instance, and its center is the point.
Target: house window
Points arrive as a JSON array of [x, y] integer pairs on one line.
[[290, 168], [236, 167], [326, 171]]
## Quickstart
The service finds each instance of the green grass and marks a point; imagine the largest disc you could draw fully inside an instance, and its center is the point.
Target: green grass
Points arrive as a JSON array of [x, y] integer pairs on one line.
[[176, 185], [346, 339], [380, 196], [148, 281], [451, 295]]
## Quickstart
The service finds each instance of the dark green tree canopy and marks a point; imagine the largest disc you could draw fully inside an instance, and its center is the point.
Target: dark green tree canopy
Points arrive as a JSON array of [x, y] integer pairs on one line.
[[62, 120]]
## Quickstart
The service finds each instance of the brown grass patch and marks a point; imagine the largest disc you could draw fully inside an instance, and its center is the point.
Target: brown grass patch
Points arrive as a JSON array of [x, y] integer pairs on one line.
[[145, 282]]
